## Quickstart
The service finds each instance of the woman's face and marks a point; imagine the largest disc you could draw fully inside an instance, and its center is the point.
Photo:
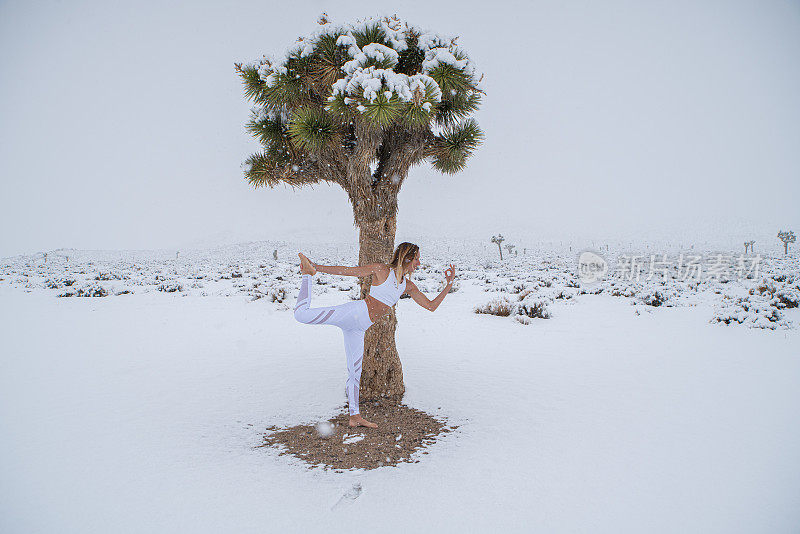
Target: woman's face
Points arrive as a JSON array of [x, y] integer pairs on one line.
[[413, 263]]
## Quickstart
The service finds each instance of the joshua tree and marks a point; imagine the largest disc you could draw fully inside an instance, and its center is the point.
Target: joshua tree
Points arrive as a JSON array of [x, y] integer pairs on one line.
[[358, 105], [748, 245], [499, 239], [786, 237], [510, 248], [275, 254]]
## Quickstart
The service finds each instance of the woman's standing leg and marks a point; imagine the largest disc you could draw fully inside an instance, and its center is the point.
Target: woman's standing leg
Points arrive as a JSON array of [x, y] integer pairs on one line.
[[353, 318], [354, 349]]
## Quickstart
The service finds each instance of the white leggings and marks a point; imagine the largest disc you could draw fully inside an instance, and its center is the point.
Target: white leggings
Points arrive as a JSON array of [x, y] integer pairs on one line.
[[353, 318]]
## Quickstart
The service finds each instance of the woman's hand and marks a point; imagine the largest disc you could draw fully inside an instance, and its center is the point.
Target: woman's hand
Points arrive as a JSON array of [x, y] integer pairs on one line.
[[452, 274]]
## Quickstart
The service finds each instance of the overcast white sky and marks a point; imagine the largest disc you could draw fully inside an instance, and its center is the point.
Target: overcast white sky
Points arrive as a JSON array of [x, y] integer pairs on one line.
[[122, 123]]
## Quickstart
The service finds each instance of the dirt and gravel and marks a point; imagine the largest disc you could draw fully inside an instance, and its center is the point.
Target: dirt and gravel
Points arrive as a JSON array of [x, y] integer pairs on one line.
[[333, 444]]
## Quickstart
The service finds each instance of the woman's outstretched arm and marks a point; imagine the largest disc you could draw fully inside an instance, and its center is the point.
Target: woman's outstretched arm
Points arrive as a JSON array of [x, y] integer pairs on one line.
[[360, 271], [424, 301]]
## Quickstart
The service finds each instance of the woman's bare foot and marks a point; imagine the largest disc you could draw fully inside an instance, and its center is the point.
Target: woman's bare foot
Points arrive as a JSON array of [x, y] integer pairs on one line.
[[306, 266], [357, 420]]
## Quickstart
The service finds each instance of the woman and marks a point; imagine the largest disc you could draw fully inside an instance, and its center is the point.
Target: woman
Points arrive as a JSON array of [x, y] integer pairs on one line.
[[356, 316]]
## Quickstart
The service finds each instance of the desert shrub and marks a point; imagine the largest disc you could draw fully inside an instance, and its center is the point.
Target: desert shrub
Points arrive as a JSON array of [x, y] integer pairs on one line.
[[592, 290], [534, 310], [500, 306], [516, 288], [534, 306], [751, 311], [170, 286], [91, 290], [277, 293], [562, 294], [653, 297], [785, 298], [621, 290], [527, 292]]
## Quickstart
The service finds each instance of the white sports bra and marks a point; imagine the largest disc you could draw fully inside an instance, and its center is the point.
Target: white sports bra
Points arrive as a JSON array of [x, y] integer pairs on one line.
[[389, 291]]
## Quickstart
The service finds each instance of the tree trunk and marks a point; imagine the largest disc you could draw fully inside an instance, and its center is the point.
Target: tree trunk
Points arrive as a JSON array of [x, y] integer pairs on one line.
[[382, 372], [373, 195]]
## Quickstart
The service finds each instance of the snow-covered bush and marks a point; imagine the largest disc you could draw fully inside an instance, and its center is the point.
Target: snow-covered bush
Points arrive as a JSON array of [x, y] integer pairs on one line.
[[278, 293], [516, 289], [107, 276], [786, 298], [752, 311], [87, 290], [653, 297], [780, 289], [58, 283], [534, 305], [596, 290], [529, 304], [170, 286], [623, 289]]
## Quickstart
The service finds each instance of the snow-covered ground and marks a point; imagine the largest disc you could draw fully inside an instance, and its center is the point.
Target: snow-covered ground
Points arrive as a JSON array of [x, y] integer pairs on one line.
[[141, 411]]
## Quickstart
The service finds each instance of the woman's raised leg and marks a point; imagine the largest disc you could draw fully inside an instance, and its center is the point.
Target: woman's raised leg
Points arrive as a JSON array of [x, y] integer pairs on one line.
[[340, 315]]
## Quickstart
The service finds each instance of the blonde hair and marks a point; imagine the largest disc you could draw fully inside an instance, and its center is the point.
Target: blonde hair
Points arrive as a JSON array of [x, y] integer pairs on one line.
[[404, 253]]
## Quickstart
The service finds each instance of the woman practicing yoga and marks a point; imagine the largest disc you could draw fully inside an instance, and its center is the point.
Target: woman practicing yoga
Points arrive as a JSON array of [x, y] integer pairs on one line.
[[356, 316]]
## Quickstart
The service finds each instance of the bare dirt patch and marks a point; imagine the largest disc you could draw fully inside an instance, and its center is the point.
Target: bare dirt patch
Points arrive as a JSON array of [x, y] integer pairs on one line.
[[335, 445]]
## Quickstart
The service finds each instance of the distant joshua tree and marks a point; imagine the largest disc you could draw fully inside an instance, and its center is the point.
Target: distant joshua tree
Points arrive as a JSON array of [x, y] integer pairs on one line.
[[499, 239], [786, 237], [275, 254], [749, 245], [510, 248], [357, 105]]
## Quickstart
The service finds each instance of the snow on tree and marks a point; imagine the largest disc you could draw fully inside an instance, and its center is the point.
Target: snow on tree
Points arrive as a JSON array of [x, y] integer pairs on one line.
[[358, 105]]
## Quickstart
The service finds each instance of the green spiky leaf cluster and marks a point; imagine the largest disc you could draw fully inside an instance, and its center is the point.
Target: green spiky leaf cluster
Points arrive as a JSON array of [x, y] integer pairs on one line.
[[455, 145]]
